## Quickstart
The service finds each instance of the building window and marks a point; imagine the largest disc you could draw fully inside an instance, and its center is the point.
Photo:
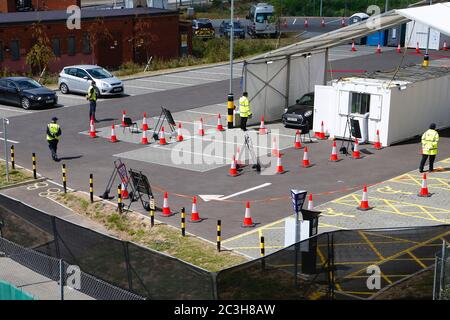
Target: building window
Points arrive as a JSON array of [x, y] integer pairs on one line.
[[86, 44], [360, 103], [15, 52], [71, 48], [1, 51], [56, 45]]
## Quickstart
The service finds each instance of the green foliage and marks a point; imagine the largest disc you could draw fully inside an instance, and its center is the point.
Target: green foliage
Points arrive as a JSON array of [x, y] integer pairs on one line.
[[41, 52]]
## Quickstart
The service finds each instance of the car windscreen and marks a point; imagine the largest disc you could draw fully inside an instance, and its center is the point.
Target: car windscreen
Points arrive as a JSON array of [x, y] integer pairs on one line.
[[205, 25], [306, 100], [99, 73], [262, 17], [27, 84]]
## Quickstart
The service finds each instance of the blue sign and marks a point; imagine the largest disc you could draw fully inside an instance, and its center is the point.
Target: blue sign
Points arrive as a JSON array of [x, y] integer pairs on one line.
[[298, 199]]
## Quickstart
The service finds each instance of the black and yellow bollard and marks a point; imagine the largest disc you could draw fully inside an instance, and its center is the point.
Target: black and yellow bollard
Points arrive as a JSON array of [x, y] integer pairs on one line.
[[183, 222], [262, 252], [230, 108], [426, 61], [91, 187], [13, 163], [219, 231], [33, 158], [64, 177], [152, 211], [119, 198]]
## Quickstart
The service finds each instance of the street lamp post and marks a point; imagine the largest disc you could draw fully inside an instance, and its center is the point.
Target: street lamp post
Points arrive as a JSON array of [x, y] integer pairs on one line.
[[426, 57], [230, 98]]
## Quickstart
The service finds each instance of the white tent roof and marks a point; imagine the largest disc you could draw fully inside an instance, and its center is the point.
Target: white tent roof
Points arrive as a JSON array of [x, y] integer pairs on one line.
[[437, 16]]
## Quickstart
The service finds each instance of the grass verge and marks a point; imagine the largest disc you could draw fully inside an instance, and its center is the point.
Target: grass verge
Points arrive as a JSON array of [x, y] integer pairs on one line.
[[15, 176], [134, 227]]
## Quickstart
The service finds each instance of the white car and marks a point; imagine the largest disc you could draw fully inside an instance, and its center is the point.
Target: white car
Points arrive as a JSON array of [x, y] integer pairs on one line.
[[76, 79]]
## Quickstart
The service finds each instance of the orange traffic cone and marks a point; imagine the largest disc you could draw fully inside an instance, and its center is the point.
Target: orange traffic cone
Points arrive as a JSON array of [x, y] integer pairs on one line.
[[144, 139], [321, 134], [306, 24], [113, 134], [248, 222], [179, 134], [166, 212], [378, 49], [399, 48], [275, 151], [262, 128], [125, 194], [298, 143], [92, 132], [201, 131], [417, 48], [334, 155], [364, 205], [356, 153], [219, 123], [353, 46], [306, 162], [162, 137], [280, 169], [124, 114], [144, 122], [444, 47], [322, 23], [424, 190], [377, 144], [195, 217], [310, 202], [233, 168]]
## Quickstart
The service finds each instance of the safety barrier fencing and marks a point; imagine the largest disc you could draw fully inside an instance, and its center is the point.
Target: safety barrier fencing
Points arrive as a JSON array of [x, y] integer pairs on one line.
[[441, 284]]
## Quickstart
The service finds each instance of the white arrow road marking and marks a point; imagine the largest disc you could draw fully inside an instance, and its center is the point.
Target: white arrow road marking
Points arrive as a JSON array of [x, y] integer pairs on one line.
[[210, 197]]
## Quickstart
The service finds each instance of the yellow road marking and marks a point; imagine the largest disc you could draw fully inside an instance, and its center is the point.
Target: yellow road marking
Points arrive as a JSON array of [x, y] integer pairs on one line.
[[380, 256], [253, 248], [357, 292], [390, 237], [417, 260]]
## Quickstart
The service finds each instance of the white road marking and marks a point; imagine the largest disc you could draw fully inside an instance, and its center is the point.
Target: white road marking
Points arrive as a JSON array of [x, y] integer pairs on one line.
[[193, 78], [15, 110], [186, 151], [146, 88], [12, 141], [204, 72], [207, 113], [295, 20], [165, 82], [207, 198]]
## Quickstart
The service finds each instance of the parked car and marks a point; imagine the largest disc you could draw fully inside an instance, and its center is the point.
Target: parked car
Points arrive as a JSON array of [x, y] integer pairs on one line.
[[203, 28], [76, 79], [300, 115], [238, 30], [26, 93]]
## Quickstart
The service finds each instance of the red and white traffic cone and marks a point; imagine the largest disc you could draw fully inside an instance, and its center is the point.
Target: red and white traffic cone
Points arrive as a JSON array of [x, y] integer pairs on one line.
[[399, 48], [144, 122], [417, 48], [364, 205], [219, 123], [378, 49], [444, 47], [166, 209], [280, 169], [113, 134], [424, 190], [298, 143], [124, 114], [322, 23], [201, 131], [306, 162], [310, 202], [262, 128], [321, 134], [195, 217], [356, 153], [162, 137], [306, 24], [377, 144], [179, 134], [125, 194], [353, 47], [92, 132], [248, 222], [144, 139], [334, 155], [233, 168], [275, 151], [238, 157]]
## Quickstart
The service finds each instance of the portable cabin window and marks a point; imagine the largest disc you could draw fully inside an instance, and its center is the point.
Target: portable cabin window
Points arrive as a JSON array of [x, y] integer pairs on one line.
[[71, 50], [15, 52], [360, 103], [56, 46], [1, 51]]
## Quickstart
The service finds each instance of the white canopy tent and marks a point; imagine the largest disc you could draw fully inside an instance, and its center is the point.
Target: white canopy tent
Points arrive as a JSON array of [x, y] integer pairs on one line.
[[436, 16]]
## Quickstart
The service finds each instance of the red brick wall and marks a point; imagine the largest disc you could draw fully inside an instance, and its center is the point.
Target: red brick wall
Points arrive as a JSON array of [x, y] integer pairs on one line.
[[7, 6], [54, 4]]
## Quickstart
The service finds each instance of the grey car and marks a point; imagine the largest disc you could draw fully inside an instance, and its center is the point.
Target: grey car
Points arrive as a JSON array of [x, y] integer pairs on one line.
[[76, 79]]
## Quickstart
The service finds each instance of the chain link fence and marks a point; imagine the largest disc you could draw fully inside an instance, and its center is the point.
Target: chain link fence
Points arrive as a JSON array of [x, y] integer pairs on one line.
[[441, 286]]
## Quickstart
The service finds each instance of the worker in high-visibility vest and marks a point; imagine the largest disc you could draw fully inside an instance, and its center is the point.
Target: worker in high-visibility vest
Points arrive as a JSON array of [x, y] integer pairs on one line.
[[430, 140], [92, 97], [53, 136], [244, 110]]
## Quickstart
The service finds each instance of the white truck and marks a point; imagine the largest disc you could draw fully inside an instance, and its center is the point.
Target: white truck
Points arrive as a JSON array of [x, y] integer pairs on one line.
[[262, 21]]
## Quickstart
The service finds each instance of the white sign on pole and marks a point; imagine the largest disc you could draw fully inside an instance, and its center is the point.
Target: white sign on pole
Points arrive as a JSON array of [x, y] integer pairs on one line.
[[289, 232]]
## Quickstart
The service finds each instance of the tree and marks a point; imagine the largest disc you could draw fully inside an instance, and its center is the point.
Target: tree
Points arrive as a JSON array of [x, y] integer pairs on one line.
[[143, 38], [41, 52], [97, 32]]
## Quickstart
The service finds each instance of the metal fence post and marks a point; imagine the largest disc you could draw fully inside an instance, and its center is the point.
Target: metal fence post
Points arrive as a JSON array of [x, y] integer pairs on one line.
[[61, 277], [442, 275]]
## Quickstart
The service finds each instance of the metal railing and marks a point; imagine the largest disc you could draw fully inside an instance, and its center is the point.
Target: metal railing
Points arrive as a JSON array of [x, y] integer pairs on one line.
[[441, 284]]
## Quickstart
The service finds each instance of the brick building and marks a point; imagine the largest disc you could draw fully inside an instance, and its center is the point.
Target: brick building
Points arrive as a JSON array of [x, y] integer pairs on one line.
[[36, 5], [134, 35]]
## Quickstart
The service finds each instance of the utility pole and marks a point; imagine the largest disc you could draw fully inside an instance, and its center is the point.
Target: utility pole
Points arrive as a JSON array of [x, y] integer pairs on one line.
[[321, 8], [426, 57], [231, 45]]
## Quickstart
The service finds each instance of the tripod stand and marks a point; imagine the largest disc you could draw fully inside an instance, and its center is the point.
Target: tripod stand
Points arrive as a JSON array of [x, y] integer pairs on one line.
[[165, 115], [347, 141], [248, 145]]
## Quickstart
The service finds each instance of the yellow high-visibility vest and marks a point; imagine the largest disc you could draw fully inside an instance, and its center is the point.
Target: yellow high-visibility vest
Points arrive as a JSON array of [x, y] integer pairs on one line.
[[54, 129], [244, 107], [92, 94], [430, 141]]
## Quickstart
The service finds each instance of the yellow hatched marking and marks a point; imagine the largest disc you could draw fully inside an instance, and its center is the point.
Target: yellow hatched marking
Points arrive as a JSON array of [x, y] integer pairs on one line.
[[390, 190], [417, 260], [433, 182], [357, 292], [390, 237], [330, 212], [321, 224]]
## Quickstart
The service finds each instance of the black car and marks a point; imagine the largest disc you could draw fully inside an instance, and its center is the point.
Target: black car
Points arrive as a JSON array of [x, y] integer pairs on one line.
[[26, 93], [300, 115], [238, 30]]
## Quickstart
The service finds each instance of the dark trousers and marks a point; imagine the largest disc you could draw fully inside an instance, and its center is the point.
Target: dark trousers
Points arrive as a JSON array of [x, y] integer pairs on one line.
[[244, 123], [424, 159], [53, 146], [92, 107]]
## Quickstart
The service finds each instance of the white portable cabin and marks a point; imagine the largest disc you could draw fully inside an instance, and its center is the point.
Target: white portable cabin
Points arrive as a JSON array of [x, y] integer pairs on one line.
[[400, 107], [417, 33]]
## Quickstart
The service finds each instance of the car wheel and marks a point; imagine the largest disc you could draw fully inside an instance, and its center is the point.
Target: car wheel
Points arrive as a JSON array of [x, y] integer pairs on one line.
[[25, 103], [64, 88]]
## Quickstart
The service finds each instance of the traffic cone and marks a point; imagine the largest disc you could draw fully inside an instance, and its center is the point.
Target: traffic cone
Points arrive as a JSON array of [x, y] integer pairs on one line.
[[219, 123], [280, 169], [424, 190], [179, 134], [144, 139], [378, 49], [377, 144], [162, 137], [113, 134], [321, 134], [417, 48], [195, 217], [298, 143], [125, 194], [322, 23], [399, 48], [144, 122], [166, 209], [444, 47], [201, 131], [334, 155], [306, 24], [233, 168], [306, 162], [124, 114], [238, 156], [262, 128], [92, 132], [364, 205], [353, 46], [248, 222], [310, 202], [356, 153], [275, 151]]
